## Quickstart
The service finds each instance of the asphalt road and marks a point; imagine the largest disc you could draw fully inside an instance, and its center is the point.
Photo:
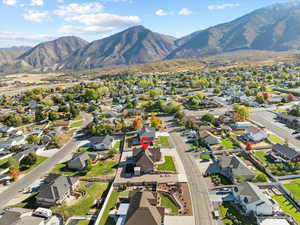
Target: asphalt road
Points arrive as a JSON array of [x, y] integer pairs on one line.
[[267, 119], [43, 169], [202, 206]]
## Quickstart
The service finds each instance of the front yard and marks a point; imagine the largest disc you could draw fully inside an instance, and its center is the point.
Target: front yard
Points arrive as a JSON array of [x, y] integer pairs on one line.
[[164, 142], [83, 205], [39, 160], [287, 207], [231, 216], [261, 156], [166, 202], [275, 139], [168, 165]]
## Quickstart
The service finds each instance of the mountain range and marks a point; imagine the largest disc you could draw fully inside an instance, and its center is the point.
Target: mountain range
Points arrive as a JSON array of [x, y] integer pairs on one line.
[[273, 28]]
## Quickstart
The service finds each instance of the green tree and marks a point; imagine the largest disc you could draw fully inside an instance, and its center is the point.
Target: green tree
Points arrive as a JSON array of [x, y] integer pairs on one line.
[[13, 164], [242, 112], [210, 118], [29, 160]]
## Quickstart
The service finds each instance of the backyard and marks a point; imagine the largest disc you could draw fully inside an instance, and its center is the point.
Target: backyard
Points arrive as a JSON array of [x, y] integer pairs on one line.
[[168, 165], [294, 188], [226, 143], [82, 206], [261, 156], [287, 207]]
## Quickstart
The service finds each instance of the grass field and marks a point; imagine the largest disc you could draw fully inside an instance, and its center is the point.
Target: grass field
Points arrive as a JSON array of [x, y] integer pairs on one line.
[[287, 207], [166, 202], [40, 159], [83, 205], [274, 138], [294, 188], [164, 142], [227, 144], [168, 165]]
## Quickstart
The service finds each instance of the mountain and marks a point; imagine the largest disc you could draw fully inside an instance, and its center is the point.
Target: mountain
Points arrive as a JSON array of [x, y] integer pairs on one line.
[[135, 45], [50, 53], [275, 28], [10, 54]]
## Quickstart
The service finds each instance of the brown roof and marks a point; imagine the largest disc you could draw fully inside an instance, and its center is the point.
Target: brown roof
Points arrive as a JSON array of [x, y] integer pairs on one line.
[[143, 209], [253, 130], [146, 159]]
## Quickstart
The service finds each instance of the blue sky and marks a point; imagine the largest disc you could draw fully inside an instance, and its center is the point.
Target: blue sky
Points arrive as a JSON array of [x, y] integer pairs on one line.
[[28, 22]]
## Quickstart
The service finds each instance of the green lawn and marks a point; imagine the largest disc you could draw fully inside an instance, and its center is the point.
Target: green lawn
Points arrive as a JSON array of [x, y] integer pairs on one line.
[[110, 205], [287, 207], [3, 162], [168, 165], [166, 202], [77, 124], [40, 159], [204, 156], [294, 188], [274, 138], [100, 168], [227, 144], [261, 156], [164, 142], [83, 222], [226, 210], [83, 205], [280, 110]]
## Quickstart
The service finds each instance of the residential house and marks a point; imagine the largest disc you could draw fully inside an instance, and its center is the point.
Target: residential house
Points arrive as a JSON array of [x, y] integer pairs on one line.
[[253, 200], [233, 167], [21, 216], [55, 189], [286, 152], [13, 142], [26, 150], [143, 209], [79, 160], [148, 132], [242, 125], [208, 138], [276, 99], [145, 160], [102, 142], [255, 134], [7, 131]]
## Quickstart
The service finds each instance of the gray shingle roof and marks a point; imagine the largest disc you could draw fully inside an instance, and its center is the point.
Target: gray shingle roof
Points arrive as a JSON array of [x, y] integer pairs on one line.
[[238, 167], [287, 151], [106, 140], [252, 192]]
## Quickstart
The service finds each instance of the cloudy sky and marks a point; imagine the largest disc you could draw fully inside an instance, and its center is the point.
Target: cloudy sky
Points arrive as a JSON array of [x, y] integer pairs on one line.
[[28, 22]]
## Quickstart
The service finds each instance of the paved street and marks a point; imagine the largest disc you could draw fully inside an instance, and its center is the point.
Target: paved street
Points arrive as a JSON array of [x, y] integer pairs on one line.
[[40, 171], [267, 119], [202, 206]]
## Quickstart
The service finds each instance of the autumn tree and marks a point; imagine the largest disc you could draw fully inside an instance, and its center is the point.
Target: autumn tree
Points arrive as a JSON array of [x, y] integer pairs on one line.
[[155, 122], [137, 123], [291, 97], [242, 112]]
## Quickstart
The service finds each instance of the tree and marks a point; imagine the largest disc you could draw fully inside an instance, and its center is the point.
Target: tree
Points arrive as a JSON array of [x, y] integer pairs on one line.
[[170, 107], [74, 111], [14, 174], [88, 165], [29, 160], [137, 123], [240, 179], [260, 178], [242, 112], [13, 164], [291, 97], [210, 118], [155, 93], [40, 115], [155, 122], [217, 91]]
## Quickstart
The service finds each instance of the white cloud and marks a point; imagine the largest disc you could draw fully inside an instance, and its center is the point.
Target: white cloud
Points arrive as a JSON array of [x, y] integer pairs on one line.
[[223, 6], [185, 12], [37, 2], [10, 2], [75, 8], [37, 16], [8, 39], [60, 1], [101, 22], [161, 12]]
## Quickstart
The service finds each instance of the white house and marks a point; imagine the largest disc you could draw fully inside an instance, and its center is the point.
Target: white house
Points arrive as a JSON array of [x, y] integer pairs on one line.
[[242, 125], [256, 134], [253, 200]]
